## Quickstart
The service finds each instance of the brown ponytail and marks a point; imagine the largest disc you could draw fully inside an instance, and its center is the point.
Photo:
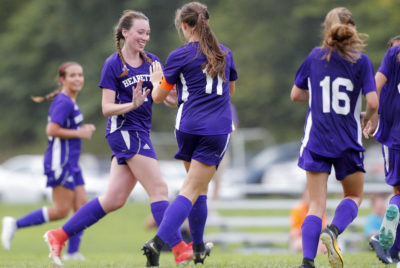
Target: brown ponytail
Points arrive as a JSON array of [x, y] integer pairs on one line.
[[195, 15], [126, 22], [341, 36], [391, 43], [61, 73]]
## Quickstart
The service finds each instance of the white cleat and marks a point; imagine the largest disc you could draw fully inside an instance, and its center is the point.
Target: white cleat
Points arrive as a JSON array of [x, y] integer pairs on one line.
[[76, 256], [8, 231]]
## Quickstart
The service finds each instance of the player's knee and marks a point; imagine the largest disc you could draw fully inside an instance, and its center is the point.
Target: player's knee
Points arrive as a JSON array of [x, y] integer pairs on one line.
[[60, 213]]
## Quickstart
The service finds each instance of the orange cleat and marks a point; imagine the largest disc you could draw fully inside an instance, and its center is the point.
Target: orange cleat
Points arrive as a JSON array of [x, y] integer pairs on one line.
[[55, 240], [183, 253]]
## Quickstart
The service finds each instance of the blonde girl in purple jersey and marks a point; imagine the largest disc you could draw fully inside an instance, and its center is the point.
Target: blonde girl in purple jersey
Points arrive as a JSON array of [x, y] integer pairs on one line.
[[65, 132], [332, 79], [126, 102], [204, 74]]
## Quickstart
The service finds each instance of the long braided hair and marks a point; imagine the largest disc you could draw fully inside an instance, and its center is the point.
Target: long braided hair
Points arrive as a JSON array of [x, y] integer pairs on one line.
[[126, 22]]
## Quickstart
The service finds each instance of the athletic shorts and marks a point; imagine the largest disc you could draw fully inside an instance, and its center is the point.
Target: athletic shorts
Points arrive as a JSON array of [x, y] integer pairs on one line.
[[392, 165], [124, 144], [351, 161], [208, 149], [68, 178]]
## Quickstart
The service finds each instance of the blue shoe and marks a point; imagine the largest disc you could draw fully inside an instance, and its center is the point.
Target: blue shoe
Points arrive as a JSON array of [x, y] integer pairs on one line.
[[387, 232], [382, 254]]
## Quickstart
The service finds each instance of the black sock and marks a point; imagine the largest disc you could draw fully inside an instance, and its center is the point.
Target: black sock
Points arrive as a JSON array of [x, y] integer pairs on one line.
[[158, 243], [199, 247]]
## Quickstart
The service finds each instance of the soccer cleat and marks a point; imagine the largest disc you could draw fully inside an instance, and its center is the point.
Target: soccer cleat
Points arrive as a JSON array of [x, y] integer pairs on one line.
[[382, 254], [387, 232], [8, 231], [329, 239], [55, 247], [152, 254], [200, 256], [307, 263], [76, 256], [183, 253]]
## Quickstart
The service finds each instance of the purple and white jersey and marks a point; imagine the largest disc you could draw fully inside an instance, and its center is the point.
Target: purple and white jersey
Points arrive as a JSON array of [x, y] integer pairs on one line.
[[203, 102], [139, 119], [333, 122], [63, 152], [388, 132]]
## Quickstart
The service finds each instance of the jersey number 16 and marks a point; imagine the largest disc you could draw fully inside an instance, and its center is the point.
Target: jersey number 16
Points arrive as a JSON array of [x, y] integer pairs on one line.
[[338, 97]]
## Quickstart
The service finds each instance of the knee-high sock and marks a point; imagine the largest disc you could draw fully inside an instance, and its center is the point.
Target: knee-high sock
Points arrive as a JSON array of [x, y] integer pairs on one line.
[[86, 216], [197, 219], [395, 200], [74, 242], [174, 216], [345, 213], [35, 217], [310, 232], [158, 210]]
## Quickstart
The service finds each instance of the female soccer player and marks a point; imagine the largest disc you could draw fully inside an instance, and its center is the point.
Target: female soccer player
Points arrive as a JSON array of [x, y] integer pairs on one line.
[[204, 73], [388, 133], [61, 167], [331, 80], [126, 85]]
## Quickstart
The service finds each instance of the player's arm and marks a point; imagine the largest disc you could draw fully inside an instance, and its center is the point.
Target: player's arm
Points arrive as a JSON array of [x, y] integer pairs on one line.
[[369, 129], [55, 130], [109, 107], [380, 80], [232, 87], [299, 95]]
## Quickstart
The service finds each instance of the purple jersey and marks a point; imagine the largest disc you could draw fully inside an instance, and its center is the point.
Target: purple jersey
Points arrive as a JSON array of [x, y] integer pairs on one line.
[[139, 119], [388, 132], [63, 152], [203, 102], [333, 118]]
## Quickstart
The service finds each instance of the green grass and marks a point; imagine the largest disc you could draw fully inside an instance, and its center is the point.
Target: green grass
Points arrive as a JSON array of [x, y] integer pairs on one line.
[[115, 241]]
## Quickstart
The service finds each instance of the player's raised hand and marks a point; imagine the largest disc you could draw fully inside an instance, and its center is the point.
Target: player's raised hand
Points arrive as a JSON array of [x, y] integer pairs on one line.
[[137, 97], [156, 73]]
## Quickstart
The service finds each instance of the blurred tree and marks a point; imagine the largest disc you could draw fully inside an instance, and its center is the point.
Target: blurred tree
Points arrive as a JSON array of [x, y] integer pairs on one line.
[[269, 40]]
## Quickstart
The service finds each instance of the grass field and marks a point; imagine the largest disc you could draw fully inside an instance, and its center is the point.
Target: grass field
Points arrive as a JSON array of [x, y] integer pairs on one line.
[[116, 240]]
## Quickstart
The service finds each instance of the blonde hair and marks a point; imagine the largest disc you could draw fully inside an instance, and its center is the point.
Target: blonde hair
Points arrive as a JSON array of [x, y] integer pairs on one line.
[[341, 36], [126, 22], [195, 15], [61, 73]]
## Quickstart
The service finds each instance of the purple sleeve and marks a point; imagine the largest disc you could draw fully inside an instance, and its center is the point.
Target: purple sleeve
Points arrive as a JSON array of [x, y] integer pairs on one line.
[[233, 76], [172, 67], [386, 63], [368, 79], [108, 76], [301, 78], [60, 110]]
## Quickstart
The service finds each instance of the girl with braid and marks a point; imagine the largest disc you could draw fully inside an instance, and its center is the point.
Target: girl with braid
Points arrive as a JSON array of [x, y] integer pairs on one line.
[[125, 83], [204, 74], [331, 80], [65, 132]]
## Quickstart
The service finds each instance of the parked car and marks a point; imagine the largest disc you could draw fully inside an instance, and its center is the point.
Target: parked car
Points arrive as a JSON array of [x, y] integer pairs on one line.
[[260, 164]]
